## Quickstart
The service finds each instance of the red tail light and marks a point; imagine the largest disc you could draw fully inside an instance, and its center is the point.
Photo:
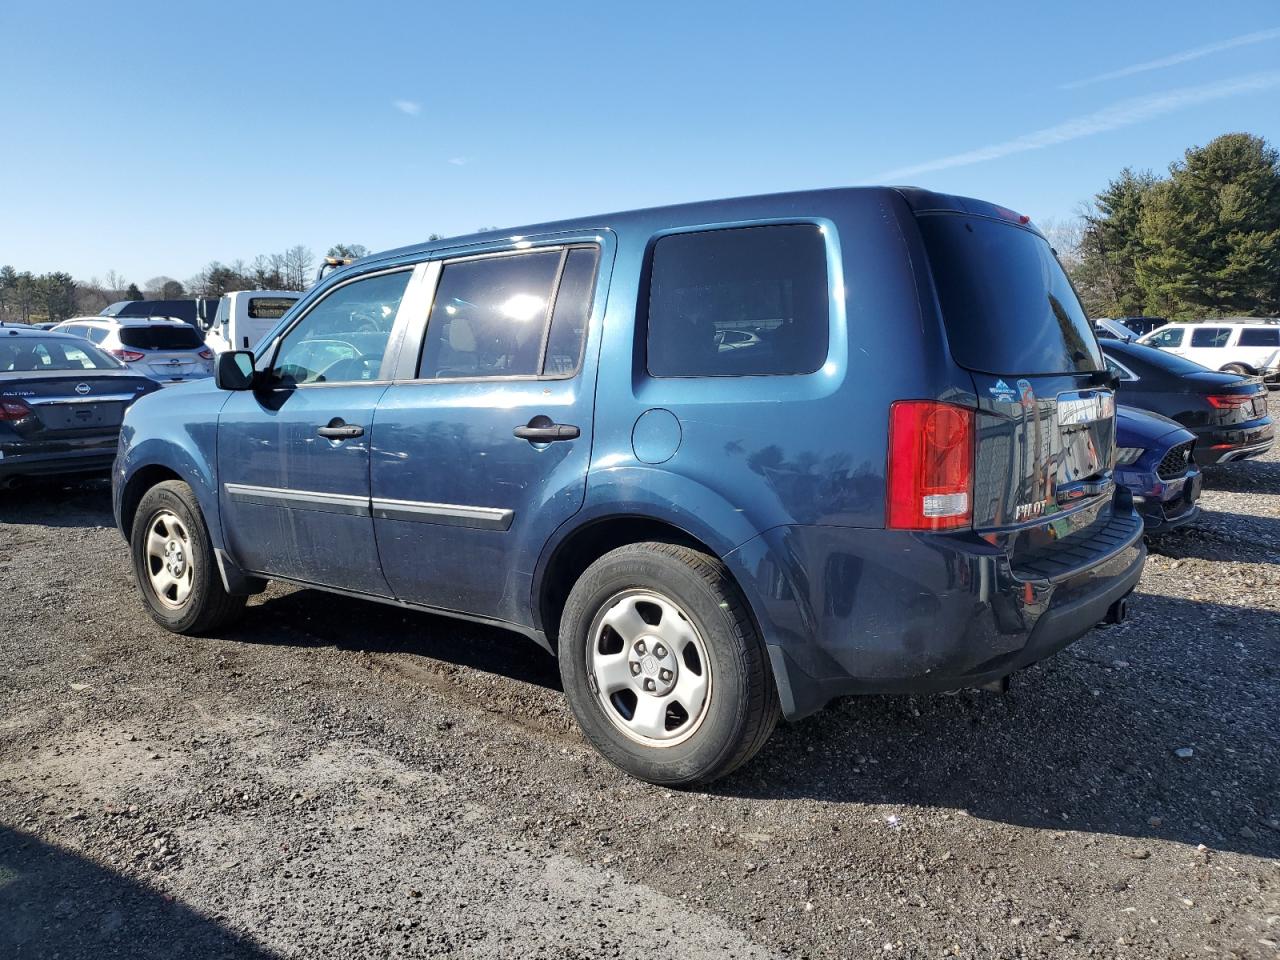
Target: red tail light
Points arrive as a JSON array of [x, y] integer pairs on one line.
[[128, 356], [14, 410], [206, 354], [1226, 402], [930, 476]]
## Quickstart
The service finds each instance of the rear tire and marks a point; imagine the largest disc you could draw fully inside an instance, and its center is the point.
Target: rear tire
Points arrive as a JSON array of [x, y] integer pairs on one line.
[[1239, 368], [174, 563], [663, 666]]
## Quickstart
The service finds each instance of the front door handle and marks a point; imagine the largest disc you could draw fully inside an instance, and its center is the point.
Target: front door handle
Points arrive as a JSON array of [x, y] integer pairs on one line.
[[543, 429], [339, 429]]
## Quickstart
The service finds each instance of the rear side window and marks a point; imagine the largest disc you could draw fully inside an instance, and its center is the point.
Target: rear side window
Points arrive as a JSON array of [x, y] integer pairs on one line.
[[268, 308], [495, 317], [1210, 337], [570, 313], [161, 337], [1007, 305], [747, 301], [1260, 337]]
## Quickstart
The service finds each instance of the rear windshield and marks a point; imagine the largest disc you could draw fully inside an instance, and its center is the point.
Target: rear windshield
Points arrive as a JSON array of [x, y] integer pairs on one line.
[[1006, 302], [166, 337], [269, 308], [28, 354], [1137, 355]]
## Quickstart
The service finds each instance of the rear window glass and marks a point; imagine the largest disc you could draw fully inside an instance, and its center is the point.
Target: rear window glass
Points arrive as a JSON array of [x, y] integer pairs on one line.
[[1210, 337], [1006, 302], [26, 354], [739, 302], [269, 308], [489, 316], [161, 337], [1146, 359], [570, 313], [1260, 338]]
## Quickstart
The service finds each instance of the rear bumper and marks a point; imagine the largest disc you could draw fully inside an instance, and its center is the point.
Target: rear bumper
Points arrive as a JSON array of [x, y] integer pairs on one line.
[[1226, 445], [92, 455], [849, 611]]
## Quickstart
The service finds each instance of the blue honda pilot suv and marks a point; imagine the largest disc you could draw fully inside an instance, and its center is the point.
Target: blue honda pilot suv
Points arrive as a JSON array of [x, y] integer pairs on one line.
[[727, 460]]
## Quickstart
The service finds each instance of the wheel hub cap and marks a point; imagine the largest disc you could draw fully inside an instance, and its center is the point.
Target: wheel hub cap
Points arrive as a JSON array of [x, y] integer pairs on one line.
[[169, 559], [649, 668], [654, 666]]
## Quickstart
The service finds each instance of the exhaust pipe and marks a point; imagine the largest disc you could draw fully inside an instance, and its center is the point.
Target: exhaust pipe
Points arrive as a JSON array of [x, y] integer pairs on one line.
[[1000, 686]]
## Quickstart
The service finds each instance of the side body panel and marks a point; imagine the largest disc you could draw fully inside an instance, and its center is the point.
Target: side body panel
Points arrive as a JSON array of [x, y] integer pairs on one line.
[[462, 507]]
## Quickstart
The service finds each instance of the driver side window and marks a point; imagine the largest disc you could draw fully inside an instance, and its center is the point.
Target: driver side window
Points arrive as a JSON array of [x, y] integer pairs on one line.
[[343, 338]]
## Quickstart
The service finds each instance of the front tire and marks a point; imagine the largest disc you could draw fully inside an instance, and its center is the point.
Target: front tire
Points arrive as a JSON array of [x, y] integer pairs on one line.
[[663, 666], [1238, 368], [174, 564]]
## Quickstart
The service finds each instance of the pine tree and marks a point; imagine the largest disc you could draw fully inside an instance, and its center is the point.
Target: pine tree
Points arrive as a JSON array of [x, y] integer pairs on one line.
[[1212, 231], [1112, 247]]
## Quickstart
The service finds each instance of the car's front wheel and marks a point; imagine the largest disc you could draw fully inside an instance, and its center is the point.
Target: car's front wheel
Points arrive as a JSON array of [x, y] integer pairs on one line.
[[174, 564], [663, 666]]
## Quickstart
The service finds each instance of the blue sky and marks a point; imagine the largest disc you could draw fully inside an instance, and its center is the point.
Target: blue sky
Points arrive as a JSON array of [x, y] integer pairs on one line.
[[150, 138]]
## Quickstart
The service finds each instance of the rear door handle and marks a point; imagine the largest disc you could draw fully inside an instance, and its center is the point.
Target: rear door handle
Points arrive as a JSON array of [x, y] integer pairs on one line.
[[543, 429], [339, 429]]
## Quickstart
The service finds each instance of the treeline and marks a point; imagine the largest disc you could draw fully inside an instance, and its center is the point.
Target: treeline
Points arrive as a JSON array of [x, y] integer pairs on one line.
[[30, 298], [1203, 241]]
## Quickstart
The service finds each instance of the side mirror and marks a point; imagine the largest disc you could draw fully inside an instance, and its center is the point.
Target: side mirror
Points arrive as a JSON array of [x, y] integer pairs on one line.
[[235, 370]]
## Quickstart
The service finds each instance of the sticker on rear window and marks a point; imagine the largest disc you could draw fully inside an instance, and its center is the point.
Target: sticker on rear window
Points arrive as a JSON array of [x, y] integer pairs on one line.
[[1002, 391]]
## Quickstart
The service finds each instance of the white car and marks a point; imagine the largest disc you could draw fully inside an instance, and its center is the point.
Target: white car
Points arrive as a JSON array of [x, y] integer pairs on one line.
[[1248, 346], [162, 348], [244, 317]]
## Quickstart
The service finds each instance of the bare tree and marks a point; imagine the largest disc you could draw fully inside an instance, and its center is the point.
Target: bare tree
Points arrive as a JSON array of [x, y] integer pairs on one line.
[[115, 285], [298, 262], [1066, 237]]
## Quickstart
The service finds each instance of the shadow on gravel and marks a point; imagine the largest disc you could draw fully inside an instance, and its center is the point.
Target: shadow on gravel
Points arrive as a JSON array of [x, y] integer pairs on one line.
[[58, 503], [1255, 540], [1084, 742], [315, 618], [1246, 476], [57, 904]]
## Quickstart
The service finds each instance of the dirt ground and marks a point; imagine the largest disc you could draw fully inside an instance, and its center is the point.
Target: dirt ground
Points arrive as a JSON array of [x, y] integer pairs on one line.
[[334, 778]]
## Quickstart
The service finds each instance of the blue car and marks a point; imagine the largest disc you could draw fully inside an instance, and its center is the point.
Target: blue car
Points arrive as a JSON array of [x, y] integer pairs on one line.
[[727, 461], [1155, 460]]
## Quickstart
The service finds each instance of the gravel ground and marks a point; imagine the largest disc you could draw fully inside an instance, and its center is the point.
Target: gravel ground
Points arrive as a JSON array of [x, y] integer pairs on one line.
[[334, 778]]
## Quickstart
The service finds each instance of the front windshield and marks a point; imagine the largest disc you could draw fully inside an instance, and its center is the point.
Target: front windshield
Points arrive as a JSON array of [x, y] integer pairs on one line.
[[37, 354]]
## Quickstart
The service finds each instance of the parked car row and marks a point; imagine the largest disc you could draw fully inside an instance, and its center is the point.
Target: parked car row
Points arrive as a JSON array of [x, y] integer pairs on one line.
[[62, 401]]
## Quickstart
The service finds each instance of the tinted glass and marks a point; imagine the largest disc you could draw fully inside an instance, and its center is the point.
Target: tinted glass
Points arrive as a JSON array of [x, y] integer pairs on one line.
[[1167, 338], [343, 337], [1006, 302], [36, 353], [1145, 359], [489, 316], [739, 302], [269, 308], [1210, 337], [570, 313], [1265, 337], [1116, 370], [161, 336], [97, 334]]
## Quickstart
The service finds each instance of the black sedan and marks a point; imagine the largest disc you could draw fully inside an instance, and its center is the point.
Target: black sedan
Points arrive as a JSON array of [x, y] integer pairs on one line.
[[61, 403], [1226, 412]]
